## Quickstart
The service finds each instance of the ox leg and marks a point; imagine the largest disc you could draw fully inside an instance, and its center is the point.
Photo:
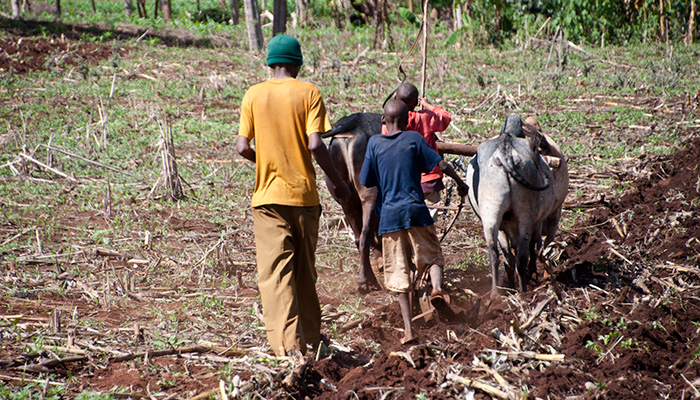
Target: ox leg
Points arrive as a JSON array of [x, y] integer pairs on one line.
[[523, 257], [491, 237], [510, 261], [534, 250], [350, 207], [367, 281], [549, 228]]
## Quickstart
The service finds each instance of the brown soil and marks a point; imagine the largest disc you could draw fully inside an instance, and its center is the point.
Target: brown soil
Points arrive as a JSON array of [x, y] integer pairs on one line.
[[627, 324], [21, 55]]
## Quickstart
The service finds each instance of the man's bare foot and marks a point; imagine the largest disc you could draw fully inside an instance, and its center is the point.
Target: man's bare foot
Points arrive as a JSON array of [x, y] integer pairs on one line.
[[299, 366]]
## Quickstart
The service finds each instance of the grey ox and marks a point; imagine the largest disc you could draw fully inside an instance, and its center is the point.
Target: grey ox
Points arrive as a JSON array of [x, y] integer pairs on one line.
[[518, 198]]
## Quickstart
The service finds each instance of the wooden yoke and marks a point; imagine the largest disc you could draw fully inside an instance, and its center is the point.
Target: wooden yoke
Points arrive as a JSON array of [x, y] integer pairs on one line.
[[470, 150]]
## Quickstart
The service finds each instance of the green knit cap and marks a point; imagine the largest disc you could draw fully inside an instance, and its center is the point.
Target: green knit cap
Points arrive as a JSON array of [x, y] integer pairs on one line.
[[284, 49]]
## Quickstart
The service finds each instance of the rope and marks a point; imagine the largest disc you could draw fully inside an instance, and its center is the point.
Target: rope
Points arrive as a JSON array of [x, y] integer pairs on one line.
[[424, 31]]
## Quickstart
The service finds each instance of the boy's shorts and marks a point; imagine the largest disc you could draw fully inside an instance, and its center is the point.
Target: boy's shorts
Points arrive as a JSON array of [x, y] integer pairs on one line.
[[418, 246]]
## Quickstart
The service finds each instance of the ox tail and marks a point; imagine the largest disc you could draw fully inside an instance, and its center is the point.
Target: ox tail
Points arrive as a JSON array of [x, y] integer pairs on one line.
[[513, 171], [397, 86], [344, 125]]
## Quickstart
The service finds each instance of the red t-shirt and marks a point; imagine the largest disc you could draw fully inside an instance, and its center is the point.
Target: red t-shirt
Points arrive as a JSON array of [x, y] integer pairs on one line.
[[427, 123]]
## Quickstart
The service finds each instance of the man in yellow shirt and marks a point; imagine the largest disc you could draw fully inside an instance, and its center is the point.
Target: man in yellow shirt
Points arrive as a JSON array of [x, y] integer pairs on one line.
[[286, 117]]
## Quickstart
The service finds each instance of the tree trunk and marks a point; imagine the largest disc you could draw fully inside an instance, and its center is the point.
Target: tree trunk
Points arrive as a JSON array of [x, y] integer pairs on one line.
[[691, 23], [235, 12], [662, 21], [128, 7], [141, 4], [279, 10], [458, 24], [94, 8], [58, 9], [302, 12], [167, 13], [15, 9], [410, 5], [252, 17]]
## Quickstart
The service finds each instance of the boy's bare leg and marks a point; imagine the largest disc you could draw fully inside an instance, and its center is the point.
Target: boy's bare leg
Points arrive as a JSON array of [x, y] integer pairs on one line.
[[405, 305], [438, 298], [436, 279]]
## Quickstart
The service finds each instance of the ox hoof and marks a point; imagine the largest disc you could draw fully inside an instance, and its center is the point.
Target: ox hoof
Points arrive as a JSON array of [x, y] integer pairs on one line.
[[364, 288]]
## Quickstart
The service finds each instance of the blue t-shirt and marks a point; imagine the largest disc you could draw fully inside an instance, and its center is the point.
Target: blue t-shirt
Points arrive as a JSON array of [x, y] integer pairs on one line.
[[394, 164]]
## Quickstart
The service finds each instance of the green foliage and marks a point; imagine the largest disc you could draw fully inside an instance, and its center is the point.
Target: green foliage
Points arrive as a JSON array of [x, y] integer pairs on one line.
[[93, 396], [591, 315], [410, 17], [31, 390], [596, 21]]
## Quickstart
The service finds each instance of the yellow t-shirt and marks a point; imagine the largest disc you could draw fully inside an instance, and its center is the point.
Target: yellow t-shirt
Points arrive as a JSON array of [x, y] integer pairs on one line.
[[280, 114]]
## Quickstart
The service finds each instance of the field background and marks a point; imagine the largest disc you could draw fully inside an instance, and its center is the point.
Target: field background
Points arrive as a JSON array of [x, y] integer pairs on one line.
[[111, 288]]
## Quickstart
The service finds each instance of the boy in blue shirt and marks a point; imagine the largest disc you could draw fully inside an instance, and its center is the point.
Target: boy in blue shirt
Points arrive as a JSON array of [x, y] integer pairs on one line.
[[394, 162]]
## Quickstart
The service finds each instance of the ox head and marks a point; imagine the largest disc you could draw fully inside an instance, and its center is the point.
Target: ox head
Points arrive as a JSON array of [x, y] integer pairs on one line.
[[514, 127]]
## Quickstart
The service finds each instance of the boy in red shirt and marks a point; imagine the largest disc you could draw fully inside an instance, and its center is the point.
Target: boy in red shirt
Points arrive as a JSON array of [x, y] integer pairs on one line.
[[426, 121]]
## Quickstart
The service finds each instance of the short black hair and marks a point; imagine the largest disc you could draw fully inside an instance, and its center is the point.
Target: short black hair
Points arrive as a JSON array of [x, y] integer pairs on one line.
[[396, 111], [407, 92]]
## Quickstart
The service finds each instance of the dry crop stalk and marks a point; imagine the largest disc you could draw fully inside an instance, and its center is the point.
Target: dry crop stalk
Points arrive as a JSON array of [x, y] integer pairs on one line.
[[169, 178]]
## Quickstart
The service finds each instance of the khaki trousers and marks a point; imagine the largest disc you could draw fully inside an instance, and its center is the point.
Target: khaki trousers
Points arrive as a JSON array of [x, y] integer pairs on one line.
[[285, 241]]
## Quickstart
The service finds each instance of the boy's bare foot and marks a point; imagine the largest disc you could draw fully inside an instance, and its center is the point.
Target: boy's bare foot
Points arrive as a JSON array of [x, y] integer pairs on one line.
[[441, 302], [409, 339]]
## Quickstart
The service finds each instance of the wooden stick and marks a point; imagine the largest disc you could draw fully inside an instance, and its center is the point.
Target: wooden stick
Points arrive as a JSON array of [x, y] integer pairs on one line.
[[617, 253], [478, 385], [16, 236], [24, 379], [54, 170], [695, 390], [457, 148], [53, 362], [534, 356], [540, 307], [49, 147], [159, 353], [107, 253], [423, 78], [350, 325], [204, 395], [222, 387]]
